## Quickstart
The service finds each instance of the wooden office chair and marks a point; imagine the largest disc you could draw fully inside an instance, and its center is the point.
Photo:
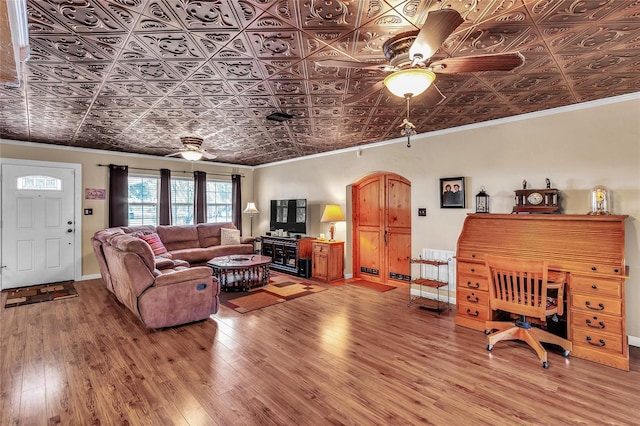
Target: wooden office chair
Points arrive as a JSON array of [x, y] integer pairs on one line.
[[519, 286]]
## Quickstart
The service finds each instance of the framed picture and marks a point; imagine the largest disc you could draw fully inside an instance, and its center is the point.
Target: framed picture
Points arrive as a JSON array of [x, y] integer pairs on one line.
[[452, 193]]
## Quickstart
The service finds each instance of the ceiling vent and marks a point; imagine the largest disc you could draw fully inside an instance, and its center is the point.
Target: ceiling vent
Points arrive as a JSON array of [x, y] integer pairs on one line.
[[279, 116]]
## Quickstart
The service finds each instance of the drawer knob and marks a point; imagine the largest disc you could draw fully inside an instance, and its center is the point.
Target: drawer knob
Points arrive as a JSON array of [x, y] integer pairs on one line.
[[476, 285], [474, 299], [593, 286], [473, 270], [601, 343], [593, 268], [599, 308], [616, 270], [473, 255], [600, 324], [472, 314]]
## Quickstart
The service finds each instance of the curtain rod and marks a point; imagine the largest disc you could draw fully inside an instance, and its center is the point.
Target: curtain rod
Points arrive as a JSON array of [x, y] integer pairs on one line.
[[173, 171]]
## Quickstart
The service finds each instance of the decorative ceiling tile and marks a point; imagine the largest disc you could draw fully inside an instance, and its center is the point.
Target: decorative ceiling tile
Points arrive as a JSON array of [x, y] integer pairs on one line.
[[131, 75]]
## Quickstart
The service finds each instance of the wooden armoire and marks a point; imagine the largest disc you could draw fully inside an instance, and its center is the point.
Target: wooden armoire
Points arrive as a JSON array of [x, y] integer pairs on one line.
[[381, 206]]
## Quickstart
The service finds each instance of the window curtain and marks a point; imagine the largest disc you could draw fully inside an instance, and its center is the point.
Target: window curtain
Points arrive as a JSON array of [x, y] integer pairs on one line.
[[236, 201], [165, 197], [200, 196], [118, 195]]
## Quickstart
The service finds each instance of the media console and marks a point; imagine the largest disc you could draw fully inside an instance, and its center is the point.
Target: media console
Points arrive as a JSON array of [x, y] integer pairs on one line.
[[286, 252]]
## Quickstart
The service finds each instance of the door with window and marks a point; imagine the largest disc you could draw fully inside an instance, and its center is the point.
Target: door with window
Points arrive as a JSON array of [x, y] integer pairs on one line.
[[38, 225], [382, 228]]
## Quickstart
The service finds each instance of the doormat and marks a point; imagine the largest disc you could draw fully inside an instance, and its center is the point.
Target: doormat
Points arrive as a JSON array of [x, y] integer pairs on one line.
[[40, 293], [268, 295], [372, 285]]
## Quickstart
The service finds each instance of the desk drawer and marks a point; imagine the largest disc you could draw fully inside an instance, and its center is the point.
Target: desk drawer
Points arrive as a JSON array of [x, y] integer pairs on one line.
[[472, 268], [596, 322], [597, 340], [473, 297], [596, 304], [595, 285], [474, 311], [472, 282]]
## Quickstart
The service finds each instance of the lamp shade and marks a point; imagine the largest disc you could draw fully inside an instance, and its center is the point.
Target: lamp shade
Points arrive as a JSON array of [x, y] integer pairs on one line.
[[251, 209], [332, 213], [410, 82], [191, 155]]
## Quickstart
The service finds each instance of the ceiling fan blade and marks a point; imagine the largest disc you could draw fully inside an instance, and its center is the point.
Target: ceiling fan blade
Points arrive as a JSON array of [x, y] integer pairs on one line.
[[208, 155], [498, 62], [351, 64], [438, 26], [367, 92]]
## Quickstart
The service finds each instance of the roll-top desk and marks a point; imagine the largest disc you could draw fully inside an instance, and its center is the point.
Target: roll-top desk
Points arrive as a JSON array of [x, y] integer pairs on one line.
[[589, 248]]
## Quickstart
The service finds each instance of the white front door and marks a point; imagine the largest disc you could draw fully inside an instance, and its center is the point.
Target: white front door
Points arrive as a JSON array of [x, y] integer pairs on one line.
[[38, 225]]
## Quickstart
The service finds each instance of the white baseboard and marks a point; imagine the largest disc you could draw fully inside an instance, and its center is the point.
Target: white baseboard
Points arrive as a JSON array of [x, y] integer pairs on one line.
[[348, 276], [90, 277], [634, 341]]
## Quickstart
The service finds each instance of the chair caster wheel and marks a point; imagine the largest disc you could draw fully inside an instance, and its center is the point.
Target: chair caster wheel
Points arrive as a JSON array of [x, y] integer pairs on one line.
[[565, 353], [489, 347], [545, 364]]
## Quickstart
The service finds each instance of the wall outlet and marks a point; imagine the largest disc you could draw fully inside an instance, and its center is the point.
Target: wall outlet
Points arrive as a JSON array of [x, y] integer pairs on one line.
[[422, 212]]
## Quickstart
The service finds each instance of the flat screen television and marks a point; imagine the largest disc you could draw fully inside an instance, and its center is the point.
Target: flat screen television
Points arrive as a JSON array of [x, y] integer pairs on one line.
[[289, 215]]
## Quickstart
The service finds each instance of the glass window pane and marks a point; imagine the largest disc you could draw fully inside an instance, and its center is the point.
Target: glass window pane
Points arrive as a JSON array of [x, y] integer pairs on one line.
[[40, 183], [219, 201], [182, 197], [143, 200]]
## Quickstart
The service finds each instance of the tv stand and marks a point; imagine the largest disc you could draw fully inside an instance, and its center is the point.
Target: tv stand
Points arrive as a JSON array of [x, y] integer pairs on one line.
[[286, 252]]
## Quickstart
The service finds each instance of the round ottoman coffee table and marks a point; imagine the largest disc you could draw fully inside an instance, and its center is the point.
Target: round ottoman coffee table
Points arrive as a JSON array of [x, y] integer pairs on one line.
[[241, 271]]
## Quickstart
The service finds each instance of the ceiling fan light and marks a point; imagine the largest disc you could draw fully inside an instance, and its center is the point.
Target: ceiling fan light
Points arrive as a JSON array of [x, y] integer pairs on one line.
[[191, 155], [410, 82]]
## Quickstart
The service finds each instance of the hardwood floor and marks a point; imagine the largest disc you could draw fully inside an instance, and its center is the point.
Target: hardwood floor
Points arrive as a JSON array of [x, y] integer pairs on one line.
[[349, 355]]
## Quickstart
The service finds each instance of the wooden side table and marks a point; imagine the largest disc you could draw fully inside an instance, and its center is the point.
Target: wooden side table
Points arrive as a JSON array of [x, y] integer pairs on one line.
[[327, 260]]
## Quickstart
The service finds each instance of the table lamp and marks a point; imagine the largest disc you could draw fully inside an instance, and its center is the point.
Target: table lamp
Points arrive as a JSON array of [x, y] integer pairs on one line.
[[332, 214], [251, 210]]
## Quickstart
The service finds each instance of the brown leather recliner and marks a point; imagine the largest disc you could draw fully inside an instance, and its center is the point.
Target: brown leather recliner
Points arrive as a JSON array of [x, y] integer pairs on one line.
[[159, 297]]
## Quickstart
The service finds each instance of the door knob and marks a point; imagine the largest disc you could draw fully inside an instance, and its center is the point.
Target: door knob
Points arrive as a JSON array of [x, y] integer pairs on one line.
[[69, 222], [69, 231]]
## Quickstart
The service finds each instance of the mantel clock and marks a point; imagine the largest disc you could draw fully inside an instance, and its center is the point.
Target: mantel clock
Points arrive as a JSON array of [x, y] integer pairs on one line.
[[536, 201]]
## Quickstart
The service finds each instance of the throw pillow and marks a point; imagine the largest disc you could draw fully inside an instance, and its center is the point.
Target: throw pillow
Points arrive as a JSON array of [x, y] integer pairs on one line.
[[155, 242], [229, 236]]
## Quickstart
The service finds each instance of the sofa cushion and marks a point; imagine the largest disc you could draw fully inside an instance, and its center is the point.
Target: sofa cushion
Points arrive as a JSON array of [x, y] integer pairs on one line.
[[229, 236], [154, 241], [127, 243], [209, 233], [176, 237]]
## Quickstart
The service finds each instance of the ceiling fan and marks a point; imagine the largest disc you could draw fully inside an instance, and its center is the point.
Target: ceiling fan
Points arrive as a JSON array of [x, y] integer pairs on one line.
[[192, 150], [409, 55]]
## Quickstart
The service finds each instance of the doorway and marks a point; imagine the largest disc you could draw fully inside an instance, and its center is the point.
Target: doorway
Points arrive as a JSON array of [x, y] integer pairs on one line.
[[40, 236], [382, 228]]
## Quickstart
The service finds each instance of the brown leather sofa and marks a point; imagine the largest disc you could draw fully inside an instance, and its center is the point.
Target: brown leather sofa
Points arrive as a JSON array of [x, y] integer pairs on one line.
[[171, 288]]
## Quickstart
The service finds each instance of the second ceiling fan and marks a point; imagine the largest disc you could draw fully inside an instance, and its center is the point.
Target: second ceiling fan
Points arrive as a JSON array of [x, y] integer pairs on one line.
[[409, 56]]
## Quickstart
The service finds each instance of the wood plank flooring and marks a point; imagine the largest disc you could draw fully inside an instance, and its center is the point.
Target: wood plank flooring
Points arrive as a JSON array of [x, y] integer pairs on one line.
[[345, 356]]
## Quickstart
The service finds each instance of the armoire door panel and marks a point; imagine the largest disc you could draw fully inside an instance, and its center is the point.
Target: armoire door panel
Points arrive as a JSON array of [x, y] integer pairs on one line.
[[399, 255], [369, 204]]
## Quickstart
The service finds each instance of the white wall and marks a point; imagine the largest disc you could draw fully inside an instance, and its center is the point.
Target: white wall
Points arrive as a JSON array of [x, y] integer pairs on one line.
[[576, 148]]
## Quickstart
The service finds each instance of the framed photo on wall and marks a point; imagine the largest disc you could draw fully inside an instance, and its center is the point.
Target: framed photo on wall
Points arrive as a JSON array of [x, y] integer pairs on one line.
[[452, 193]]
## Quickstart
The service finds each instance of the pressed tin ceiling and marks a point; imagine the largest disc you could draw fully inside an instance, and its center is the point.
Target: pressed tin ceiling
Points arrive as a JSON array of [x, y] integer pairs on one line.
[[136, 75]]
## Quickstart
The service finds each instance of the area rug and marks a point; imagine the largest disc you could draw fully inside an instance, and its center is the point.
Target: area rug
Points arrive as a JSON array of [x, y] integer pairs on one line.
[[40, 293], [268, 295], [372, 285]]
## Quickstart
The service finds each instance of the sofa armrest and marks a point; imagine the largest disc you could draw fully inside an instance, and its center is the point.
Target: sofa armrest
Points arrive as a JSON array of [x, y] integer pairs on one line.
[[248, 240], [173, 277]]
